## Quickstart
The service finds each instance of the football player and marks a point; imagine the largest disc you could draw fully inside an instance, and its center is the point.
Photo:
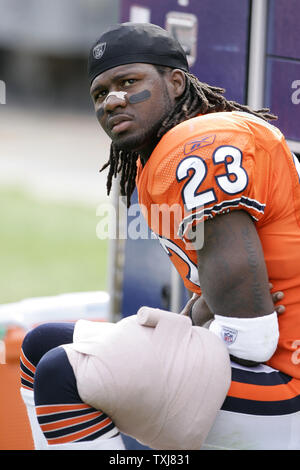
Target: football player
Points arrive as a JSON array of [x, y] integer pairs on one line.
[[234, 183]]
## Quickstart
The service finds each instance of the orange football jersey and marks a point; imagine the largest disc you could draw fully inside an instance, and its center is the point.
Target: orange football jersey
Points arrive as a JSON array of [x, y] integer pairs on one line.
[[217, 163]]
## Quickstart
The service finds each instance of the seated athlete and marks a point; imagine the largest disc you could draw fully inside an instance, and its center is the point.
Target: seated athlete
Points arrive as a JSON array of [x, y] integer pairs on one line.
[[230, 172]]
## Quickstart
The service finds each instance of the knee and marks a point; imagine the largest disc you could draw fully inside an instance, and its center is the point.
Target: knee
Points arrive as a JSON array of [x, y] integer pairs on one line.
[[33, 344], [55, 381], [45, 337], [49, 366]]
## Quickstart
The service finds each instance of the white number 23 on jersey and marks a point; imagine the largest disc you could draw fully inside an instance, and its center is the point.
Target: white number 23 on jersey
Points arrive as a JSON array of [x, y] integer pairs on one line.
[[233, 181]]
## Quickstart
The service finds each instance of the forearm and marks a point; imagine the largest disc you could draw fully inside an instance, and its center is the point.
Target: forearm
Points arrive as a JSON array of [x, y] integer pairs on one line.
[[234, 283], [232, 271]]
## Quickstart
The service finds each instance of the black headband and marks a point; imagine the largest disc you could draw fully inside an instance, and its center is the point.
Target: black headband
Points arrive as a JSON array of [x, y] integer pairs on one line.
[[129, 43]]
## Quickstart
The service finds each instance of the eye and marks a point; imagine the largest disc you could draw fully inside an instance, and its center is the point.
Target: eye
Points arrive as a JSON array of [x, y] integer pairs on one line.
[[100, 94], [129, 81]]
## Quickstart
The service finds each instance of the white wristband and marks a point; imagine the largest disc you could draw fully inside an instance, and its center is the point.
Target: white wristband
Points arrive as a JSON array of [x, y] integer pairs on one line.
[[253, 339]]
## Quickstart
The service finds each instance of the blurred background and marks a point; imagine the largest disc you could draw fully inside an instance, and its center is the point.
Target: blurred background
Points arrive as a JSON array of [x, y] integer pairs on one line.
[[51, 149]]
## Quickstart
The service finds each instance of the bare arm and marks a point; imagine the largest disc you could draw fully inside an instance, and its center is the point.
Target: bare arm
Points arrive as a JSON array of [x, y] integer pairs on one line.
[[197, 309], [232, 270]]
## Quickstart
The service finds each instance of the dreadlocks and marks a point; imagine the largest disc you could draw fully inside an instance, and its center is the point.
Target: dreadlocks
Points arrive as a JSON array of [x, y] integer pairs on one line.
[[198, 98]]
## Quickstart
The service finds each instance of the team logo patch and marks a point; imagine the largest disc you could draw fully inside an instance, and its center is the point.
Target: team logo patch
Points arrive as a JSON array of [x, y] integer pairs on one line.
[[99, 50], [229, 335], [197, 144]]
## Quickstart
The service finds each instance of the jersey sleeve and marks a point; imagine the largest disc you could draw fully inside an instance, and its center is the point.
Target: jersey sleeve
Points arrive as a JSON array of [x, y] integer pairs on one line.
[[215, 169]]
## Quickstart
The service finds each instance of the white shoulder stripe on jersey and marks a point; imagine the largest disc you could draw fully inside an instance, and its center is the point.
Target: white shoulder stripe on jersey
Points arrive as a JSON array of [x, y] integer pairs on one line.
[[223, 208]]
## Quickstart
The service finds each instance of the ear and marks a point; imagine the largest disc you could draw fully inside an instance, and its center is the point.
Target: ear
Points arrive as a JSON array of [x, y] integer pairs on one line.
[[177, 82]]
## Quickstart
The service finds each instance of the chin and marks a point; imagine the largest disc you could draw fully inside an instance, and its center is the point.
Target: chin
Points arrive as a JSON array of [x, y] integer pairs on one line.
[[129, 143]]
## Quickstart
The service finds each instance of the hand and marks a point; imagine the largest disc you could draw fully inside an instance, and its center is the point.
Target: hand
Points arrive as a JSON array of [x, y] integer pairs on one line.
[[189, 305], [202, 314], [276, 297], [197, 307]]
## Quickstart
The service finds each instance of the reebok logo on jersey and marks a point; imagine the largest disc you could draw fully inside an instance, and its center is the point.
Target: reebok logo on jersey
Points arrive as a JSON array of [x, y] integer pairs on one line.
[[197, 144], [99, 50]]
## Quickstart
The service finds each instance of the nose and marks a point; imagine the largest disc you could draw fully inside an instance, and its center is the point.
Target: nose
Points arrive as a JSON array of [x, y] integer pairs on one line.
[[115, 99]]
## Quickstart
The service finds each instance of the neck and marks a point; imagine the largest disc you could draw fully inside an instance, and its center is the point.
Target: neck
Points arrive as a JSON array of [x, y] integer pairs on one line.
[[146, 150], [145, 155]]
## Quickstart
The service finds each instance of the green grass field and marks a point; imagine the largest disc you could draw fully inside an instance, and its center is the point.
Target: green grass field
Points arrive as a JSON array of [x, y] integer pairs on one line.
[[48, 248]]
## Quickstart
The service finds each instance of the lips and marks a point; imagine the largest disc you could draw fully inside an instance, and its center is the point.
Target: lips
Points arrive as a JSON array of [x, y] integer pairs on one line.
[[119, 122]]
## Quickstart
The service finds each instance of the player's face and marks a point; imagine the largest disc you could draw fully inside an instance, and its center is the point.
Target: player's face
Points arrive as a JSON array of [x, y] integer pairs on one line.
[[131, 101]]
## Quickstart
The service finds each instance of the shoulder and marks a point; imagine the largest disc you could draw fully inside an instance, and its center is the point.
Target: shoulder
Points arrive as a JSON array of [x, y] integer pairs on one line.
[[202, 131], [212, 162], [219, 128], [198, 137]]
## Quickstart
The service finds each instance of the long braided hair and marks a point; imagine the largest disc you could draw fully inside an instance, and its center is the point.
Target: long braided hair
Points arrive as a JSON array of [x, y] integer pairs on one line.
[[198, 98]]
